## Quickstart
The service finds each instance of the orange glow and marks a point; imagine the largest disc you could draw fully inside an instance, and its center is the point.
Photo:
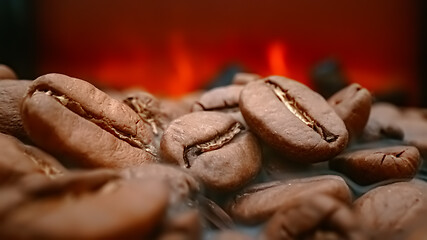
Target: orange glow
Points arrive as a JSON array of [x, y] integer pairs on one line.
[[172, 48], [276, 57], [183, 76]]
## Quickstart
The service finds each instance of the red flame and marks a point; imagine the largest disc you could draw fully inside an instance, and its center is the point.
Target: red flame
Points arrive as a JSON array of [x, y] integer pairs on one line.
[[183, 76], [276, 57]]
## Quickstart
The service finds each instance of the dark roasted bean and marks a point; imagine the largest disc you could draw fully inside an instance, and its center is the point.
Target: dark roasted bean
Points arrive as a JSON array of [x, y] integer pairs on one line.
[[214, 147], [259, 202], [293, 119], [68, 116], [378, 164]]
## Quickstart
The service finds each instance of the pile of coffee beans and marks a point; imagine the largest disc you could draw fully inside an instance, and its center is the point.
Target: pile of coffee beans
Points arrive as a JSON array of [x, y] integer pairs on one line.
[[262, 158]]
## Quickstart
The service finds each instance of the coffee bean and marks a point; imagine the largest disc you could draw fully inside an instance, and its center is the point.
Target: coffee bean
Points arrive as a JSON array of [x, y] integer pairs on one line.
[[115, 209], [293, 119], [11, 95], [382, 123], [353, 105], [214, 147], [18, 159], [415, 132], [148, 109], [175, 108], [221, 99], [70, 117], [245, 78], [319, 217], [183, 185], [374, 165], [7, 73], [232, 234], [184, 226], [259, 202], [389, 211]]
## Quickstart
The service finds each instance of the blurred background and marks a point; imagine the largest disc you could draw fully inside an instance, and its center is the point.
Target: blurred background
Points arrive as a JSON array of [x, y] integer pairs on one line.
[[175, 47]]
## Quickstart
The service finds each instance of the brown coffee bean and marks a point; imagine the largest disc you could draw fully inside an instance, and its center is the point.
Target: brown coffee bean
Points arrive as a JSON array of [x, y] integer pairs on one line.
[[259, 202], [7, 73], [109, 209], [70, 117], [18, 159], [415, 132], [389, 211], [33, 186], [183, 184], [245, 78], [374, 165], [225, 99], [214, 147], [232, 234], [11, 95], [184, 226], [148, 109], [175, 108], [221, 99], [293, 119], [319, 217], [353, 105], [382, 123]]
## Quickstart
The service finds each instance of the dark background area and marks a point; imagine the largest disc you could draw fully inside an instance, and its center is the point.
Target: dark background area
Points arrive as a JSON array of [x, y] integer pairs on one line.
[[63, 36]]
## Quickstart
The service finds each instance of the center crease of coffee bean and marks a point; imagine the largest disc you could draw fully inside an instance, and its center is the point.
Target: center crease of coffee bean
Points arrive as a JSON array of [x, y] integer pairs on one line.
[[140, 108], [293, 106], [79, 110], [194, 150], [225, 108]]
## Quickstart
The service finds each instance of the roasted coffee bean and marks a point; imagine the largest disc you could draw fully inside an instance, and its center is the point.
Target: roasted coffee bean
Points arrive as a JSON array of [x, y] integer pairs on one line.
[[415, 132], [382, 123], [353, 105], [33, 186], [231, 234], [82, 209], [11, 95], [18, 159], [221, 99], [374, 165], [214, 147], [293, 119], [319, 217], [389, 211], [148, 109], [224, 99], [7, 73], [70, 117], [245, 78], [175, 108], [184, 226], [259, 202], [183, 184]]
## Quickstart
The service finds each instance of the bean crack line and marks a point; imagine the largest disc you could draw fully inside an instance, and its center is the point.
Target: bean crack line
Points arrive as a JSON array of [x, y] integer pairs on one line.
[[192, 151], [79, 110], [293, 106]]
